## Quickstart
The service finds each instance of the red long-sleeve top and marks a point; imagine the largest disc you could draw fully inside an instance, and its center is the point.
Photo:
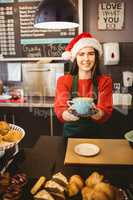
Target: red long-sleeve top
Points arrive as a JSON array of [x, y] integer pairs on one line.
[[85, 89]]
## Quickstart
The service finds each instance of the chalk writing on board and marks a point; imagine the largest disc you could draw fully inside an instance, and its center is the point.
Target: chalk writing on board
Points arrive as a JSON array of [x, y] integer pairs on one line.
[[53, 50], [32, 51], [19, 37]]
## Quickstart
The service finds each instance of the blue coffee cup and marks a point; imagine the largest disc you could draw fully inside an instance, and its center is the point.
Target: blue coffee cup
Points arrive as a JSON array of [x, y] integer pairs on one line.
[[82, 105]]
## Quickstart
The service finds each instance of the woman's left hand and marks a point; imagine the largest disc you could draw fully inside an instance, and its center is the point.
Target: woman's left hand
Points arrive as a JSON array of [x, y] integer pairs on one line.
[[98, 115]]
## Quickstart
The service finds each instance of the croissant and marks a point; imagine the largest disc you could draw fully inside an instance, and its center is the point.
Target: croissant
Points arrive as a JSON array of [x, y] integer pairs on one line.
[[77, 180], [72, 189], [94, 179], [107, 189], [99, 195], [87, 193], [75, 185]]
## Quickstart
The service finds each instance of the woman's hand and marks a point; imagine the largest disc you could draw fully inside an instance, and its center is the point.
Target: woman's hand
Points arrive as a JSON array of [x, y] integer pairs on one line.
[[99, 114], [68, 116]]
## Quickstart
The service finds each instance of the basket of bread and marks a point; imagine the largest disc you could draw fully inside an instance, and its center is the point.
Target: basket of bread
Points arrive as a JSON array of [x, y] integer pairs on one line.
[[59, 187], [10, 135]]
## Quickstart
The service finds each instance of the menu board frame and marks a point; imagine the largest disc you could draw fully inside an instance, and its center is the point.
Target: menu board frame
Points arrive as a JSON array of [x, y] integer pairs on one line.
[[40, 47]]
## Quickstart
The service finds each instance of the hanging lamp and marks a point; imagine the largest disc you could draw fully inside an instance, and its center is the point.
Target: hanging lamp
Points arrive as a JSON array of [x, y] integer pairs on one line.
[[56, 14]]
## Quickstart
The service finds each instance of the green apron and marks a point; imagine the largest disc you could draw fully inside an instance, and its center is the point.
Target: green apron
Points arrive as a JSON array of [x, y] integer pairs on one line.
[[84, 127]]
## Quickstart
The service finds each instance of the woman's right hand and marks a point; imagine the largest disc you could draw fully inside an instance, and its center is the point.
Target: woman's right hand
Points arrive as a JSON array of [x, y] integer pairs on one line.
[[68, 116]]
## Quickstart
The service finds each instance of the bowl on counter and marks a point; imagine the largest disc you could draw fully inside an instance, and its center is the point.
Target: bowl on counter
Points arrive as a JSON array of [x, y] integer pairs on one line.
[[129, 137]]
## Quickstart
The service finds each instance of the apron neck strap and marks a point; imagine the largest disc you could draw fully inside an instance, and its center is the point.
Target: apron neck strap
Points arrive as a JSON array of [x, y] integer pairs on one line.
[[74, 92], [95, 89]]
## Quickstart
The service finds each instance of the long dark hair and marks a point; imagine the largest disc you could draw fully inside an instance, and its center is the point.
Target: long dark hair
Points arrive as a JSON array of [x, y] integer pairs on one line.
[[74, 68]]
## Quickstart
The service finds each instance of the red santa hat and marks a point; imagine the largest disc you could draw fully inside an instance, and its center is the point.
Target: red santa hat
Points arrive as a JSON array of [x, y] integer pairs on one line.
[[80, 41]]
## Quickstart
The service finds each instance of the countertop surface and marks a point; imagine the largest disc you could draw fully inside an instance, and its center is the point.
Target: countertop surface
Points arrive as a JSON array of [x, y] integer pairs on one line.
[[44, 160], [30, 102], [105, 155], [46, 102]]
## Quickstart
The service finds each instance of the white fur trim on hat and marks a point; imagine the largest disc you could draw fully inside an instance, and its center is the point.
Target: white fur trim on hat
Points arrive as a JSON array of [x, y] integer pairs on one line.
[[66, 55], [84, 42]]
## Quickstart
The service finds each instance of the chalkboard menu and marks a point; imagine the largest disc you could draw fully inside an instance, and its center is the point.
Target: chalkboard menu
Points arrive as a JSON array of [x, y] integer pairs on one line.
[[19, 38]]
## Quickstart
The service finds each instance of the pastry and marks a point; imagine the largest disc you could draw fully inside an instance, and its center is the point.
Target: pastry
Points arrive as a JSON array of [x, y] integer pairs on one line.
[[12, 136], [87, 193], [4, 181], [72, 189], [107, 189], [4, 128], [43, 195], [1, 139], [38, 185], [77, 180], [75, 185], [13, 192], [93, 179], [99, 195], [61, 179], [19, 179], [58, 196], [52, 186]]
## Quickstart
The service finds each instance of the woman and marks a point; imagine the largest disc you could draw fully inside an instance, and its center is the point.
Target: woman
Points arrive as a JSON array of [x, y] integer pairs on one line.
[[84, 80]]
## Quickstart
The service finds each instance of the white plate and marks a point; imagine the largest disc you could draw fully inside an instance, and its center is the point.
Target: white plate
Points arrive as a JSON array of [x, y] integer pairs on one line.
[[5, 97], [86, 149]]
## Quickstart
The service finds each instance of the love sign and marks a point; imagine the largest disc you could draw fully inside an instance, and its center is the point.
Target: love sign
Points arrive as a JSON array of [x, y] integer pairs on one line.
[[110, 15]]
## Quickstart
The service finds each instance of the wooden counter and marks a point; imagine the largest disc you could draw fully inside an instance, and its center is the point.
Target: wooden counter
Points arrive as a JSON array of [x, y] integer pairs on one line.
[[112, 152]]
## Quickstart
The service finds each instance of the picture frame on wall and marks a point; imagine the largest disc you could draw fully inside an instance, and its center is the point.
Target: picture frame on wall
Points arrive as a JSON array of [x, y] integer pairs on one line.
[[111, 15]]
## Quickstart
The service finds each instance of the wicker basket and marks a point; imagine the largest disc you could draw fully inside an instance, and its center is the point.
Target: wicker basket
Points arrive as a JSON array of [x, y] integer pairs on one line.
[[7, 145]]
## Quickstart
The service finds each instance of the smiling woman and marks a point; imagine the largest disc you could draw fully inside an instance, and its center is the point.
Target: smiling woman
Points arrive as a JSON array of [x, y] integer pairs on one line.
[[84, 80]]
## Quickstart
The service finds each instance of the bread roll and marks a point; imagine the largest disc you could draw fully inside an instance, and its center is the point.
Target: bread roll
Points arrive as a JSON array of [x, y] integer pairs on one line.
[[94, 179]]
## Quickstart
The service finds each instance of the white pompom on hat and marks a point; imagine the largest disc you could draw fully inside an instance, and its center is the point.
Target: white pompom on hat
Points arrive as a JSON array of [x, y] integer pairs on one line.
[[80, 41]]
